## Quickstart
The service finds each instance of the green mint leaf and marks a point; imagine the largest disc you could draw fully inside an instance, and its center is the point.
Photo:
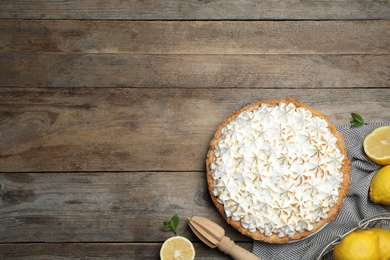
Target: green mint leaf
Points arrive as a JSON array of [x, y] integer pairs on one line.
[[357, 118], [167, 228], [175, 220], [356, 124], [173, 224]]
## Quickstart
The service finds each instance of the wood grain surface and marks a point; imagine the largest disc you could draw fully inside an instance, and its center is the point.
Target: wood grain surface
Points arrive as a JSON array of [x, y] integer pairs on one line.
[[136, 129], [107, 108], [196, 37], [100, 207], [195, 71], [196, 10], [100, 251]]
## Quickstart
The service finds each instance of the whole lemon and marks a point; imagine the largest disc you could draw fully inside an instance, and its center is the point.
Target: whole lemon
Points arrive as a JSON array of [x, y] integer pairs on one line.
[[380, 186], [358, 245], [384, 242]]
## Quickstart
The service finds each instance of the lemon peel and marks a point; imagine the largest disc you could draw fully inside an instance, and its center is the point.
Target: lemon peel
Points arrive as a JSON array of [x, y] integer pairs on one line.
[[358, 245], [384, 242], [380, 186]]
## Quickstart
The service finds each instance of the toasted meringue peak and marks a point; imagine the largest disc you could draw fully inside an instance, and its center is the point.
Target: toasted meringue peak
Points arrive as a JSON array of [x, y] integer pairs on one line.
[[276, 169]]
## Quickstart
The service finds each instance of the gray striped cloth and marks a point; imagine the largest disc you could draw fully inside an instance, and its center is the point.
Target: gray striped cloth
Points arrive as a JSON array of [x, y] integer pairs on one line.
[[356, 206]]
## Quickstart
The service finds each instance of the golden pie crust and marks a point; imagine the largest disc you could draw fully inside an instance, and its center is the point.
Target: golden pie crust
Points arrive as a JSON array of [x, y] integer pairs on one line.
[[343, 190]]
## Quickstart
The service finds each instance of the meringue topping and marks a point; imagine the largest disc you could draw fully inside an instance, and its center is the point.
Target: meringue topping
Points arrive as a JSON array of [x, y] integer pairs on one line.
[[276, 169]]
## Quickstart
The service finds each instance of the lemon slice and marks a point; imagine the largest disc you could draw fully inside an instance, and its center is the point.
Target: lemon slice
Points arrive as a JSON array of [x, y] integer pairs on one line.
[[177, 248], [377, 145]]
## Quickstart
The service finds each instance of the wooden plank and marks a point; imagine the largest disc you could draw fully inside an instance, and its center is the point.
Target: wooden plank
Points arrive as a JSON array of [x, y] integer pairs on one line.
[[194, 71], [104, 251], [100, 207], [194, 10], [196, 37], [137, 129]]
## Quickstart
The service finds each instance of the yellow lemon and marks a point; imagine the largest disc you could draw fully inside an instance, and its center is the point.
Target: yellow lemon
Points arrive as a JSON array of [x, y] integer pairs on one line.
[[177, 248], [384, 242], [380, 186], [377, 145], [358, 245]]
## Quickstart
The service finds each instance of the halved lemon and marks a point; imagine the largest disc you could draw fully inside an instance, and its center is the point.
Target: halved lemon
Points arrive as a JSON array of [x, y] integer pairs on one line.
[[177, 248], [377, 145]]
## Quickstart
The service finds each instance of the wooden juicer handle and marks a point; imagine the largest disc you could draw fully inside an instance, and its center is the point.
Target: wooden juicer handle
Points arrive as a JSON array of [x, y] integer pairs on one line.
[[213, 235]]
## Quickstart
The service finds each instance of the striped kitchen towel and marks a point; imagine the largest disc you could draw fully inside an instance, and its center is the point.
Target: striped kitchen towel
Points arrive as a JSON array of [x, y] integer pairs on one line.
[[356, 206]]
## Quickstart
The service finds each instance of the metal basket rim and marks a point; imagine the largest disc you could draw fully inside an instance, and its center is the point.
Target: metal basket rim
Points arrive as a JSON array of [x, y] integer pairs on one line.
[[362, 224]]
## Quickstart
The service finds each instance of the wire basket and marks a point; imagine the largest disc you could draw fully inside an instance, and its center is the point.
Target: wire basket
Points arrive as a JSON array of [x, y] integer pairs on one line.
[[379, 220]]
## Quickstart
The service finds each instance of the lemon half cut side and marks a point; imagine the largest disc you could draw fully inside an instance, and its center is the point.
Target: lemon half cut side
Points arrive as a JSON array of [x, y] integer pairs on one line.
[[377, 145], [177, 248]]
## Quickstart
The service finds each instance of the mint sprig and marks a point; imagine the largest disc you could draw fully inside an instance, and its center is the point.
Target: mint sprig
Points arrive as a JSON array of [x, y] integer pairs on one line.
[[357, 120], [173, 224]]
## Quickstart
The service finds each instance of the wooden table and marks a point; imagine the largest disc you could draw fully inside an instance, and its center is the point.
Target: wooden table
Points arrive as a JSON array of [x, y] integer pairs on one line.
[[107, 108]]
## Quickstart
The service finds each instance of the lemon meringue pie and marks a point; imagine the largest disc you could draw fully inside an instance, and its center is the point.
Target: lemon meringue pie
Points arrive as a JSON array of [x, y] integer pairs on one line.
[[277, 170]]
